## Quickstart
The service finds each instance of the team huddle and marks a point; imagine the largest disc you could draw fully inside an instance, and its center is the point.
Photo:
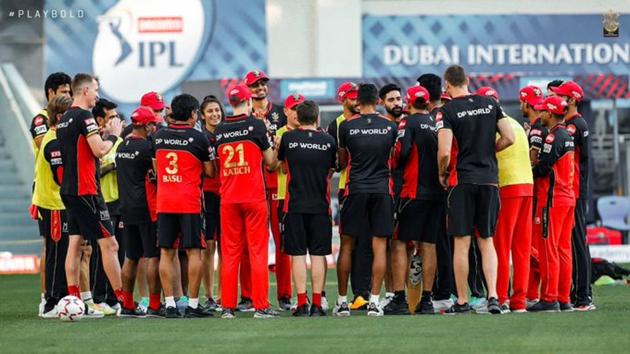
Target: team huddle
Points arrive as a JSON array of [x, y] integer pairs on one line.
[[445, 191]]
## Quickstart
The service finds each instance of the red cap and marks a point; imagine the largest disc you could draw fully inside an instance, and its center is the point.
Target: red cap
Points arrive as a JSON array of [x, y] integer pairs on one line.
[[143, 115], [347, 90], [153, 100], [238, 94], [254, 76], [569, 89], [487, 91], [445, 96], [293, 100], [532, 95], [553, 104], [415, 93]]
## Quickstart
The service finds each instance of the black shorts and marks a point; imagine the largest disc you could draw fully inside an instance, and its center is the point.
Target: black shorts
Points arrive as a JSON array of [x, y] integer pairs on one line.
[[421, 220], [368, 214], [307, 232], [54, 224], [212, 204], [88, 216], [180, 231], [473, 209], [141, 240]]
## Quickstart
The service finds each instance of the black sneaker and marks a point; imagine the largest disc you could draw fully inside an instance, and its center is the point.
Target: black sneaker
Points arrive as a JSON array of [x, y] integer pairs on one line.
[[458, 309], [317, 311], [425, 307], [211, 304], [566, 307], [199, 312], [227, 313], [396, 308], [246, 305], [171, 312], [135, 313], [266, 313], [302, 311], [493, 306], [159, 313], [341, 310], [543, 306], [284, 303]]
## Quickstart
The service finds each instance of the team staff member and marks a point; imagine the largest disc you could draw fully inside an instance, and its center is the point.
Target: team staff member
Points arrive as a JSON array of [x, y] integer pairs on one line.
[[516, 188], [421, 214], [274, 118], [88, 219], [365, 146], [212, 114], [46, 197], [309, 155], [557, 201], [582, 293], [361, 272], [182, 156], [155, 102], [134, 162], [242, 146], [467, 127]]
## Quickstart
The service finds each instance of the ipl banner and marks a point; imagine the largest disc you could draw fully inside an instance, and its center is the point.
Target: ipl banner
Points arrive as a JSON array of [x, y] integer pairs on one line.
[[136, 46], [406, 46]]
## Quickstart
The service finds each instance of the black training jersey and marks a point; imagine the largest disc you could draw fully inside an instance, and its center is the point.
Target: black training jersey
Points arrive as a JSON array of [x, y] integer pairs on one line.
[[80, 172], [473, 120], [52, 154], [556, 169], [416, 153], [369, 139], [39, 124], [276, 118], [537, 134], [309, 156], [134, 161], [578, 129]]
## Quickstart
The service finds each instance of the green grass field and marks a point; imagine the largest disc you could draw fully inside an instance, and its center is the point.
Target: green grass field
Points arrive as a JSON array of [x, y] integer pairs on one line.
[[606, 330]]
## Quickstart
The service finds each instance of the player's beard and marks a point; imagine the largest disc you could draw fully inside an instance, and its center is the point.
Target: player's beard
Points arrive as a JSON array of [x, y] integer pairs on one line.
[[353, 109], [395, 112]]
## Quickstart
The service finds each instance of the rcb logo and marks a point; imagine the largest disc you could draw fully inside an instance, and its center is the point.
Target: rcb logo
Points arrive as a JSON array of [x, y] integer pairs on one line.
[[611, 24]]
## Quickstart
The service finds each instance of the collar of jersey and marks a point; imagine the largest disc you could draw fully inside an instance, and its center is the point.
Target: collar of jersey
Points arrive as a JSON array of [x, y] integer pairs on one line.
[[179, 126], [572, 117], [236, 118]]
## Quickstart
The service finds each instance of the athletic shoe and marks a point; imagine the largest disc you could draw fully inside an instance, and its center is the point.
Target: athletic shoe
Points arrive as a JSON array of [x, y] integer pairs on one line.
[[505, 308], [135, 313], [172, 312], [479, 304], [415, 269], [341, 310], [246, 305], [144, 304], [374, 310], [457, 309], [317, 311], [302, 311], [266, 313], [566, 307], [530, 303], [284, 303], [425, 307], [227, 313], [386, 300], [40, 310], [582, 307], [543, 306], [359, 303], [159, 313], [324, 303], [52, 313], [181, 304], [395, 308], [493, 306], [520, 310], [442, 305], [199, 312], [106, 309], [211, 304], [92, 311]]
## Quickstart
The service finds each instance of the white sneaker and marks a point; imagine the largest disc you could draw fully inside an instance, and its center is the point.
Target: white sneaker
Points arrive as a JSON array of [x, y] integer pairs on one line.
[[530, 303], [42, 304], [324, 304], [92, 311], [117, 308], [479, 304], [51, 314], [374, 310], [442, 305], [106, 309], [386, 300], [341, 310]]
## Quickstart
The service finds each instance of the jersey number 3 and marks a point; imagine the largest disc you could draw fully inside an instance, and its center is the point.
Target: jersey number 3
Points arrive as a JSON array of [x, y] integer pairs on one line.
[[172, 168], [230, 151]]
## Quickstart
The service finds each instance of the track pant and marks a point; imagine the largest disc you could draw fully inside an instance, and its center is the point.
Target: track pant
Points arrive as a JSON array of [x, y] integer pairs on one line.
[[244, 225], [101, 289], [533, 287], [514, 232], [283, 260], [56, 237], [556, 256], [444, 284], [361, 268], [582, 292]]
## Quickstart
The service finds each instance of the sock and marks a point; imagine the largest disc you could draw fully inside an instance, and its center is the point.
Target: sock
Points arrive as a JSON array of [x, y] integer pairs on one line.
[[170, 301], [74, 290], [302, 299], [193, 303], [342, 299], [317, 299], [427, 294], [154, 301], [42, 296], [120, 296], [323, 293], [128, 301], [86, 296], [145, 299], [399, 296], [374, 299]]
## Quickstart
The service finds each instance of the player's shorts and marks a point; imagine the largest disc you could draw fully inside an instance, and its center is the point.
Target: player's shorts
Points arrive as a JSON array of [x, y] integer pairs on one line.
[[368, 214], [307, 232], [141, 240], [473, 209], [212, 203], [54, 224], [421, 220], [180, 231], [88, 216]]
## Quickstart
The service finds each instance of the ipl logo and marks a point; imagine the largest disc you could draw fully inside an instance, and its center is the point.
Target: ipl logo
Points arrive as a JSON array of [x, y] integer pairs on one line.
[[143, 48]]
